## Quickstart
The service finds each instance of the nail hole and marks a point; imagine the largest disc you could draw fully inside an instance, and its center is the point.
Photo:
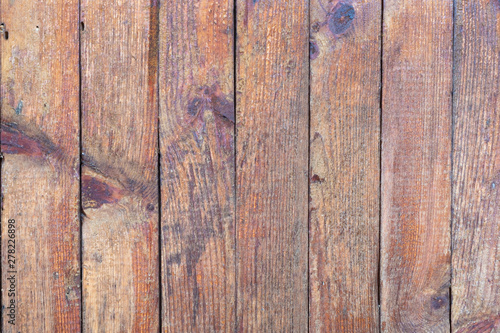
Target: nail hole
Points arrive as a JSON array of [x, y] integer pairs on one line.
[[6, 35], [82, 26]]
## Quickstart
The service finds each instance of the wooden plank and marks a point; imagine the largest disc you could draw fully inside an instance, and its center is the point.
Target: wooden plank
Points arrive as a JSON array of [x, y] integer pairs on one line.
[[119, 45], [476, 168], [197, 166], [40, 173], [344, 165], [271, 165], [416, 148]]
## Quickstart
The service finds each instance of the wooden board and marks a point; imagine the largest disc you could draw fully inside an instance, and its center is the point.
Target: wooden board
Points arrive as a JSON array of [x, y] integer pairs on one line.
[[476, 168], [197, 166], [344, 165], [40, 173], [119, 45], [416, 148], [271, 165]]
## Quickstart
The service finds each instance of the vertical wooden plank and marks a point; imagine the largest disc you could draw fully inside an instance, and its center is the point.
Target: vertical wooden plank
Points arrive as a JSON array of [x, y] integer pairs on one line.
[[416, 149], [197, 165], [344, 166], [271, 165], [119, 44], [40, 172], [476, 168]]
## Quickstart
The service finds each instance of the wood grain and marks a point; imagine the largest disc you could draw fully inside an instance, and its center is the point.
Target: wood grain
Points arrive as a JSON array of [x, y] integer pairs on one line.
[[344, 165], [40, 173], [476, 168], [197, 166], [119, 46], [271, 165], [416, 148]]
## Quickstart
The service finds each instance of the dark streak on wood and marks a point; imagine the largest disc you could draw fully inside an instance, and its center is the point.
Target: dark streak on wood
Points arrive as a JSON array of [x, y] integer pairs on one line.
[[486, 325], [15, 141]]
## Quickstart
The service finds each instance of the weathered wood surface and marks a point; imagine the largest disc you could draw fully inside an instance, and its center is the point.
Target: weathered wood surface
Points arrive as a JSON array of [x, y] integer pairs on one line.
[[197, 166], [416, 148], [40, 173], [119, 57], [236, 158], [271, 165], [344, 165], [476, 168]]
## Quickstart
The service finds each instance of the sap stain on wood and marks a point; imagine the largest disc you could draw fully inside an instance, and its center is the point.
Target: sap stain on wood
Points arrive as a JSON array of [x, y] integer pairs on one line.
[[96, 192], [19, 141], [125, 180], [212, 98], [487, 325]]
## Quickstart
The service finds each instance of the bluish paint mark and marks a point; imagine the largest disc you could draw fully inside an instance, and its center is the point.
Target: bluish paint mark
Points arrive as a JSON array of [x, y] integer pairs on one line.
[[19, 108]]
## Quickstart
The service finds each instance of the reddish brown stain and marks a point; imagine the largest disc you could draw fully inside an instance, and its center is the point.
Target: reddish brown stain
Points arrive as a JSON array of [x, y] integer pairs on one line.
[[212, 98], [484, 326], [317, 179], [16, 141], [96, 193]]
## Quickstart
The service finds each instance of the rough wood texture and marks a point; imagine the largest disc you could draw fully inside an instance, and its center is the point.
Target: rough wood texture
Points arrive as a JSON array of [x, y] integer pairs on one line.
[[197, 165], [271, 165], [119, 174], [344, 166], [40, 173], [416, 148], [476, 168]]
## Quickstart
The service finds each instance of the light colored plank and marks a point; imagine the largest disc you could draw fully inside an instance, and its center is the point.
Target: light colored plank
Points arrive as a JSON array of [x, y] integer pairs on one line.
[[197, 165], [271, 165], [119, 46], [476, 168], [416, 147], [40, 172], [344, 174]]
